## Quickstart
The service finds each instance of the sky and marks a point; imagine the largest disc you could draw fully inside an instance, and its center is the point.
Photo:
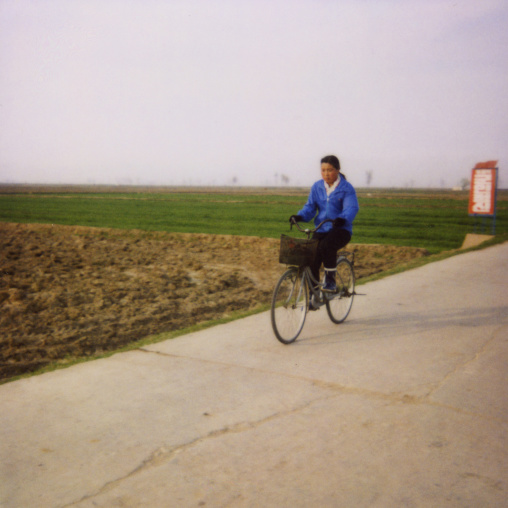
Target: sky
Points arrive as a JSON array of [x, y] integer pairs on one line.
[[252, 92]]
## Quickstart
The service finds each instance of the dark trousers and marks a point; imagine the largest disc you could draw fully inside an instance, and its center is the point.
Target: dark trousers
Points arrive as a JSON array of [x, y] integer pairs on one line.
[[329, 244]]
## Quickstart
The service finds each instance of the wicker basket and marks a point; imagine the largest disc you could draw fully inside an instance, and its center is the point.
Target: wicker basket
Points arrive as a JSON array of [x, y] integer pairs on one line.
[[296, 251]]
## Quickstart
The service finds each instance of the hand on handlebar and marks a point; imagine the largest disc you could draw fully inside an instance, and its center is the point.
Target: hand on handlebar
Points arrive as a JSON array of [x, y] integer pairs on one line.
[[338, 223], [295, 218]]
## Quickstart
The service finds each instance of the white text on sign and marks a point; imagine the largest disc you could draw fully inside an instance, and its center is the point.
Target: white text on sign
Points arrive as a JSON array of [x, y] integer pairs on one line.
[[482, 191]]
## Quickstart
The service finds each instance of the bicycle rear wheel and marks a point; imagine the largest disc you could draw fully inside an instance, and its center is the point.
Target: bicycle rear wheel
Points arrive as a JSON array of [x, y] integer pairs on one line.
[[290, 302], [339, 304]]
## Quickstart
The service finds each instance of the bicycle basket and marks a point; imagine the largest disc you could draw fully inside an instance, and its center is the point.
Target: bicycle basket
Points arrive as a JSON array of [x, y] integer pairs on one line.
[[297, 251]]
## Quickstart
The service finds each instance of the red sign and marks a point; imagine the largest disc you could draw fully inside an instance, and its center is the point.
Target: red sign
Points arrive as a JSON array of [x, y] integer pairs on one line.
[[482, 196]]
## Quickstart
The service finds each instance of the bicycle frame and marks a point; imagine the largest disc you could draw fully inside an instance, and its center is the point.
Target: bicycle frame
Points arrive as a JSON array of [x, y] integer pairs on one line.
[[314, 286], [297, 292]]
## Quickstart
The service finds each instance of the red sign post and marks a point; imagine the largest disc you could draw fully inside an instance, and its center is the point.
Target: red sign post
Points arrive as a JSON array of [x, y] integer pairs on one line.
[[482, 196]]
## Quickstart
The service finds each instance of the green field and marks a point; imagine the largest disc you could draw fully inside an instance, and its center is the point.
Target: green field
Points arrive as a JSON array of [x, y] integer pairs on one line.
[[435, 220]]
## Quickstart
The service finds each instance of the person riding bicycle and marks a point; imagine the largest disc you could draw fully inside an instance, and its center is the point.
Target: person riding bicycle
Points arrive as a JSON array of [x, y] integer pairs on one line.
[[333, 197]]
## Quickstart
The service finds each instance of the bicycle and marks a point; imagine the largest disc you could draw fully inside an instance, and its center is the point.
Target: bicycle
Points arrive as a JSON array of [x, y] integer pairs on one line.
[[297, 287]]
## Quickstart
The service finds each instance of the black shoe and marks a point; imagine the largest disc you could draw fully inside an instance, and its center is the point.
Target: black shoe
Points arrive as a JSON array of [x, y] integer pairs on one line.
[[330, 286]]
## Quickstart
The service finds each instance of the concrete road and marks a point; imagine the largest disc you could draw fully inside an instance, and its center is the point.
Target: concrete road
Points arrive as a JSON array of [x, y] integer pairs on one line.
[[405, 404]]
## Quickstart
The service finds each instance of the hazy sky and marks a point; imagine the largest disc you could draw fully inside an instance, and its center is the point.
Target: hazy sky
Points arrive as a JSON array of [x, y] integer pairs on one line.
[[208, 91]]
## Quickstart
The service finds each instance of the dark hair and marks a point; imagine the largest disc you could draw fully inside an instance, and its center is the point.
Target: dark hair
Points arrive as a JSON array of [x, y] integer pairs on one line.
[[334, 161]]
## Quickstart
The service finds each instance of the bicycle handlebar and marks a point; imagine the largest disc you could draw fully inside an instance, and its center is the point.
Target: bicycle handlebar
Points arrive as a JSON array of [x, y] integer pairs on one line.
[[307, 230]]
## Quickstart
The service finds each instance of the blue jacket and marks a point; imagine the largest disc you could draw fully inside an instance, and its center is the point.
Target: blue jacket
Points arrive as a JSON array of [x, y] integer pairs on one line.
[[342, 202]]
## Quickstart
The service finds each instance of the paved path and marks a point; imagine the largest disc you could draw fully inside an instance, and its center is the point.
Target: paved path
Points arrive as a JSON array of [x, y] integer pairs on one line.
[[405, 404]]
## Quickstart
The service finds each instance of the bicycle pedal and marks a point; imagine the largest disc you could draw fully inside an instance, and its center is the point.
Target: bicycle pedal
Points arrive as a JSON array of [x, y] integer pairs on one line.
[[315, 304]]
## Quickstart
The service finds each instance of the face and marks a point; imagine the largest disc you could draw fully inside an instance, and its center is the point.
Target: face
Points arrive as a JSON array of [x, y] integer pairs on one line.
[[329, 173]]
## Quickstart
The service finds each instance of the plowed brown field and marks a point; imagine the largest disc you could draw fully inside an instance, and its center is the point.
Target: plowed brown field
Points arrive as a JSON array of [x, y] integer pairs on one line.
[[69, 292]]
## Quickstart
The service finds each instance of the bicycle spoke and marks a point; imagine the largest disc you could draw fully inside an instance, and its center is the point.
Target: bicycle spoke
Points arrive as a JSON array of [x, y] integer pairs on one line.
[[339, 305], [289, 306]]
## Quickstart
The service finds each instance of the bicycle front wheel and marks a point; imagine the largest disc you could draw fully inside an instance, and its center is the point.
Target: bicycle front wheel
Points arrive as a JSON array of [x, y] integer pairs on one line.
[[290, 302], [339, 304]]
